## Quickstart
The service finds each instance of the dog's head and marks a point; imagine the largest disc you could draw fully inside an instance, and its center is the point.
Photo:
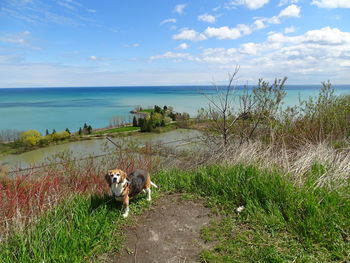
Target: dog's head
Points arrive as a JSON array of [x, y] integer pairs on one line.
[[115, 176]]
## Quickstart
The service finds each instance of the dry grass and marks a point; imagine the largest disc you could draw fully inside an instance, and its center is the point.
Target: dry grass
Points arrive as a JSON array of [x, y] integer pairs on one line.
[[26, 195], [335, 163]]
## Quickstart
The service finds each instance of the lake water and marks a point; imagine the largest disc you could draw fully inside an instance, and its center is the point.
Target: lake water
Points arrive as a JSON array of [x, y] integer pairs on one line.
[[61, 108], [81, 149]]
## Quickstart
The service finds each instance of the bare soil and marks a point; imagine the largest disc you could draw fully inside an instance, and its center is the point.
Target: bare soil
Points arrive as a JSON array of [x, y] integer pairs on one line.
[[167, 233]]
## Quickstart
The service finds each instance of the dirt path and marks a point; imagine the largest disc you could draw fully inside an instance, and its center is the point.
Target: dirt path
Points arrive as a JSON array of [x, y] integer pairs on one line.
[[169, 232]]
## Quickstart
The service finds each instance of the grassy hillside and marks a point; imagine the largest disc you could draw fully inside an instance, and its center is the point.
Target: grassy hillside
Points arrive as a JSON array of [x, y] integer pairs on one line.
[[281, 222]]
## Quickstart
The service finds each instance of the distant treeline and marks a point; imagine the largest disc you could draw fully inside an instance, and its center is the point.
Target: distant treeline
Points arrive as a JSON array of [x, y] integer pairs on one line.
[[157, 117]]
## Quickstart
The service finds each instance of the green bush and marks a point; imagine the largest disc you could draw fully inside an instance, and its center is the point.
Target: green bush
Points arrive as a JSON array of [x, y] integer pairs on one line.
[[30, 137]]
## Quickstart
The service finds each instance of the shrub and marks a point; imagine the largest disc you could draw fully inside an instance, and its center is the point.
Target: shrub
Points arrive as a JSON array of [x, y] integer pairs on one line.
[[30, 137]]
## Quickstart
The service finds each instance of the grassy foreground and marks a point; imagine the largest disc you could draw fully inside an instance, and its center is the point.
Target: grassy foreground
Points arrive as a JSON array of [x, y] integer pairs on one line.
[[81, 229], [281, 222]]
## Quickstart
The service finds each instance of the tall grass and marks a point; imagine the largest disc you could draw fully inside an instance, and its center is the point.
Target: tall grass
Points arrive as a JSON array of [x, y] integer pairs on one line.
[[315, 219], [77, 229]]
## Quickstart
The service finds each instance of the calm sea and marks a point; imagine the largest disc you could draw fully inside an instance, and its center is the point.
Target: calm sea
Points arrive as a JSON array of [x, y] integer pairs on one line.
[[61, 108]]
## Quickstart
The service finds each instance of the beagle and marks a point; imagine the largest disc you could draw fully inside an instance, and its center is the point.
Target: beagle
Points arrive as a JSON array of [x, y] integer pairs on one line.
[[124, 186]]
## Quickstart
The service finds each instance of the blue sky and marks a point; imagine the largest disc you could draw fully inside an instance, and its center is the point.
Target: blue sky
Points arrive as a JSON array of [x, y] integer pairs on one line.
[[165, 42]]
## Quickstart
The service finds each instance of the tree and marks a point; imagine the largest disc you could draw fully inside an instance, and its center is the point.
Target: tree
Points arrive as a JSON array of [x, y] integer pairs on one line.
[[134, 122], [80, 132], [47, 132], [141, 122], [172, 116], [221, 108], [231, 114], [157, 109], [68, 131], [53, 131], [89, 129], [30, 137]]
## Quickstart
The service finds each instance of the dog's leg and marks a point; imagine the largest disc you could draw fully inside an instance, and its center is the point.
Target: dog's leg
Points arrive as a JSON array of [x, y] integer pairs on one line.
[[154, 185], [148, 190], [126, 204]]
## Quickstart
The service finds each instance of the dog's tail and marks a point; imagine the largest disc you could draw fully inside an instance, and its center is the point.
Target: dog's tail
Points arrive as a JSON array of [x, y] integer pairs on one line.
[[154, 185]]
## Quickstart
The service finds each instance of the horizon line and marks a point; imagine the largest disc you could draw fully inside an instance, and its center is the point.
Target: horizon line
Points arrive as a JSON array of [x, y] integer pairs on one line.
[[146, 86]]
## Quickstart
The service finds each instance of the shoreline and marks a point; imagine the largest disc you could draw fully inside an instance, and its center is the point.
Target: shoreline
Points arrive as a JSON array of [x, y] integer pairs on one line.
[[96, 134]]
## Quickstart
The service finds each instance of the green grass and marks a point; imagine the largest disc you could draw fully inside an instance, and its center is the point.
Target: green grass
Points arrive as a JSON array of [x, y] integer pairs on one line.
[[280, 223], [115, 130], [147, 110], [79, 230]]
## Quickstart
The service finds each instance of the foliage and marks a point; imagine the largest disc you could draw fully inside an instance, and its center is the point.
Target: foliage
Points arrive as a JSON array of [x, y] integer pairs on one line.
[[258, 115], [30, 137], [324, 118], [134, 122], [155, 118], [58, 136]]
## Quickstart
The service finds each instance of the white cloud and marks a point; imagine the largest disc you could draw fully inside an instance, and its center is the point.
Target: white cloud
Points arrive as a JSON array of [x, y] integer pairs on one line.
[[218, 56], [62, 12], [331, 3], [308, 58], [19, 38], [290, 29], [189, 34], [173, 55], [320, 53], [132, 45], [170, 20], [259, 24], [328, 36], [239, 30], [183, 46], [249, 48], [223, 32], [95, 58], [207, 18], [290, 11], [245, 30], [273, 20], [251, 4], [227, 32], [287, 2], [180, 8]]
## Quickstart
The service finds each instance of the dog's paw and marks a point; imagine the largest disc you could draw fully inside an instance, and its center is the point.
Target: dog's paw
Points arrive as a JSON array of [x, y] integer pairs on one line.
[[125, 215]]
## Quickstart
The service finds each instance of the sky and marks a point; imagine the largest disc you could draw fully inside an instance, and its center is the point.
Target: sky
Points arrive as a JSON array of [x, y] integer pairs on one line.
[[68, 43]]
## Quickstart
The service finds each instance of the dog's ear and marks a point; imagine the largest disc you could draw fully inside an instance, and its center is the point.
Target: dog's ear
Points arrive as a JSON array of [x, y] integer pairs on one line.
[[124, 174], [108, 179]]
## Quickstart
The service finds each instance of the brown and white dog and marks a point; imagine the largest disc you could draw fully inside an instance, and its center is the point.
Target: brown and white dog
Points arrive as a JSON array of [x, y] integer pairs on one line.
[[124, 186]]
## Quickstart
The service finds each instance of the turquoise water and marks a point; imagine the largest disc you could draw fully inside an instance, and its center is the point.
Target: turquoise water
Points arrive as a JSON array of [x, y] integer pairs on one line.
[[61, 108]]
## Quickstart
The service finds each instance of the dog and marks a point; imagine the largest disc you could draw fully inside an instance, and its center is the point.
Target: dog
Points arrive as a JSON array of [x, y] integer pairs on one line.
[[124, 186]]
